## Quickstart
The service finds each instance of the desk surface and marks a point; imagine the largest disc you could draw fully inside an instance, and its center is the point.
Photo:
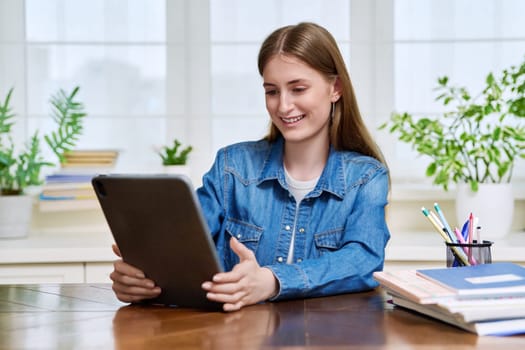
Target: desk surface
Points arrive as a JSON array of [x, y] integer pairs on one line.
[[88, 316]]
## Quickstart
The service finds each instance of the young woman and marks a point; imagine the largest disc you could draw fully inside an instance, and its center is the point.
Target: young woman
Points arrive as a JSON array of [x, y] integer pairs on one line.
[[300, 213]]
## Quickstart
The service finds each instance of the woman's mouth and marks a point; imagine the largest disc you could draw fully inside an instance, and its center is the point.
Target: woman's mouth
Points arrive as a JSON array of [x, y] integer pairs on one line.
[[291, 120]]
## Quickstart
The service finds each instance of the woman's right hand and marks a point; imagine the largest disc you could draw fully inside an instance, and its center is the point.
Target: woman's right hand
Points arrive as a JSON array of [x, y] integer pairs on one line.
[[129, 283]]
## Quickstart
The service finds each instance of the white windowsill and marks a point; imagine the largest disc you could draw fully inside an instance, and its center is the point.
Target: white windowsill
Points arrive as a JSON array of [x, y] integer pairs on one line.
[[404, 191]]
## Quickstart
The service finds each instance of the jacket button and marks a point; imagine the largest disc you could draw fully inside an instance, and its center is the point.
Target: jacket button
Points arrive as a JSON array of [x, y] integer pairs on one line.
[[280, 259], [301, 230], [287, 228], [299, 260], [239, 235]]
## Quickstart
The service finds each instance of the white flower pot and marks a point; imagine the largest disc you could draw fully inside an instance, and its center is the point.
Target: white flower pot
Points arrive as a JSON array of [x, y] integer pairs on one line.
[[15, 216], [177, 169], [493, 204]]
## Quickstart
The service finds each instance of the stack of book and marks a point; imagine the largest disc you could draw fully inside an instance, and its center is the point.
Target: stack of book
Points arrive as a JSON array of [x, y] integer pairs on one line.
[[99, 161], [486, 299], [68, 192], [70, 188]]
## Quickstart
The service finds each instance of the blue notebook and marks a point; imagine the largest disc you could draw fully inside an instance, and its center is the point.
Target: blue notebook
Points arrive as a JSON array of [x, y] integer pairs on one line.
[[485, 280]]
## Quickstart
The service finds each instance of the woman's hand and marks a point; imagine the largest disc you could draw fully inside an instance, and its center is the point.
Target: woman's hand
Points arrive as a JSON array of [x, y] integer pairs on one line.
[[129, 283], [246, 284]]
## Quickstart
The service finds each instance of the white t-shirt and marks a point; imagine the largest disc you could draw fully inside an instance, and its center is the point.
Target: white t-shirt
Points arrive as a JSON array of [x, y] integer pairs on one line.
[[299, 190]]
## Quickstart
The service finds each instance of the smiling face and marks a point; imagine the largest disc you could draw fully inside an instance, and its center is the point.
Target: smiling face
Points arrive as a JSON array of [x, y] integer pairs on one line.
[[298, 99]]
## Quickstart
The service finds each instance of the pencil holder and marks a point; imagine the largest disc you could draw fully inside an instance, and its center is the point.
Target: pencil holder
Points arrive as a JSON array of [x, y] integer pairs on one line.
[[458, 254]]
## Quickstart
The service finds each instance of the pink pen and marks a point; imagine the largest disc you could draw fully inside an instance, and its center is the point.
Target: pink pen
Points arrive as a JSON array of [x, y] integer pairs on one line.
[[472, 260], [458, 235], [470, 228], [470, 235]]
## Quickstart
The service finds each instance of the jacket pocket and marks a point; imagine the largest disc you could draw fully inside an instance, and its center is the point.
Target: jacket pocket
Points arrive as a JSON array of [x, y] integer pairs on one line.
[[328, 241], [246, 233]]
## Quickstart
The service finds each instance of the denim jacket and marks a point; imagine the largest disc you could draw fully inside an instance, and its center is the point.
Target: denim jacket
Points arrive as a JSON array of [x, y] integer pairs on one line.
[[341, 232]]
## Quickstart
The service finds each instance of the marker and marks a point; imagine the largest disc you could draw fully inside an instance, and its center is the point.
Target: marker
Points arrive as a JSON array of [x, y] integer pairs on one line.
[[444, 221], [470, 234], [458, 252], [435, 224], [470, 228], [443, 228], [478, 234], [458, 235], [436, 219], [464, 231]]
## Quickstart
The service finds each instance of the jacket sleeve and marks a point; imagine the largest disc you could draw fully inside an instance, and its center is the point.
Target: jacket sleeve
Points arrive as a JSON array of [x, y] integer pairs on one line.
[[211, 196]]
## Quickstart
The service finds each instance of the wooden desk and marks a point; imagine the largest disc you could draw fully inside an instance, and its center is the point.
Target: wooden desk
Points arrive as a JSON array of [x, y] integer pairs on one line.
[[88, 316]]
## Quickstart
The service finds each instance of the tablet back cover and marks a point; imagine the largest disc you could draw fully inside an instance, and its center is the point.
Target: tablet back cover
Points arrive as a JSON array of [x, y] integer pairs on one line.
[[158, 226]]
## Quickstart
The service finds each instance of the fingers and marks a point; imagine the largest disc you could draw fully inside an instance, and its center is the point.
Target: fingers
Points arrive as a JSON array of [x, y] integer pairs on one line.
[[248, 264], [232, 294], [235, 289], [241, 250], [233, 307], [223, 288], [135, 295], [231, 302], [127, 269], [116, 250], [130, 284], [135, 292], [227, 298]]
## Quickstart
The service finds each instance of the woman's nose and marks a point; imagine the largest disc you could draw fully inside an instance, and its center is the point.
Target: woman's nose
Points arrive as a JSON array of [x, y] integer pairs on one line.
[[285, 104]]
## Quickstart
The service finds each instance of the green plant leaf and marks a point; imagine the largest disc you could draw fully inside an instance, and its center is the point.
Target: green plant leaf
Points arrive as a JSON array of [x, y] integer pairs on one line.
[[68, 114], [477, 138], [17, 171], [174, 155]]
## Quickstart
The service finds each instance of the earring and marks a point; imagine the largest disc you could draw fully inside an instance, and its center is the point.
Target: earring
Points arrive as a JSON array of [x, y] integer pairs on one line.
[[332, 112]]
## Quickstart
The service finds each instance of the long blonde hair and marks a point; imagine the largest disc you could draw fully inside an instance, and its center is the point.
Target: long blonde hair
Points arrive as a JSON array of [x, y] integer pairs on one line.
[[316, 47]]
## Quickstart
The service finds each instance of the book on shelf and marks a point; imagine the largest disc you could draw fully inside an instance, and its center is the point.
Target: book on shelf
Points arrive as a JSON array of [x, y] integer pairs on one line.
[[69, 178], [67, 189], [483, 280], [67, 192], [68, 204], [98, 161], [62, 195], [91, 156], [67, 186], [485, 313]]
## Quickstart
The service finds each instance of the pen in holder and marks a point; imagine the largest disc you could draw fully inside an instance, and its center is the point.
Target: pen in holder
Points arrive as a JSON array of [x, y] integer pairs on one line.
[[475, 253]]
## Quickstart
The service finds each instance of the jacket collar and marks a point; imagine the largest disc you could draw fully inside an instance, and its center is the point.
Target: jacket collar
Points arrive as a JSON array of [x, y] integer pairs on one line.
[[273, 169]]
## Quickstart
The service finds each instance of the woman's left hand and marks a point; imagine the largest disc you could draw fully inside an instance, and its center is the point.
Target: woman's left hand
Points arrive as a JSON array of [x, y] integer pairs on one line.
[[247, 284]]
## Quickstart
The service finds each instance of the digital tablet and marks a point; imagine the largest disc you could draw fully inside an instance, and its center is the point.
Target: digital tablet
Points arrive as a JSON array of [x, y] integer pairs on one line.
[[157, 223]]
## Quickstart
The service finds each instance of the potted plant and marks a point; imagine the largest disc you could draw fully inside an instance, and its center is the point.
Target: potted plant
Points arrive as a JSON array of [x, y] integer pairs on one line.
[[22, 170], [175, 157], [474, 144]]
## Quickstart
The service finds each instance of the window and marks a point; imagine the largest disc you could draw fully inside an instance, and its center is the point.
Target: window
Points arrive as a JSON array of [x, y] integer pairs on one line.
[[462, 39], [237, 30], [153, 70], [117, 57]]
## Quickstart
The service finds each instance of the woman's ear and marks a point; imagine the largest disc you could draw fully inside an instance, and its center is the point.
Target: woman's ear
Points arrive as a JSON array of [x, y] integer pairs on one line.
[[336, 90]]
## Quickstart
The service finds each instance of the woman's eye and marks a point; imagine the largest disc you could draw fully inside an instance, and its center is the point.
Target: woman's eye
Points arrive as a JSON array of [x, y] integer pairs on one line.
[[271, 92], [299, 89]]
